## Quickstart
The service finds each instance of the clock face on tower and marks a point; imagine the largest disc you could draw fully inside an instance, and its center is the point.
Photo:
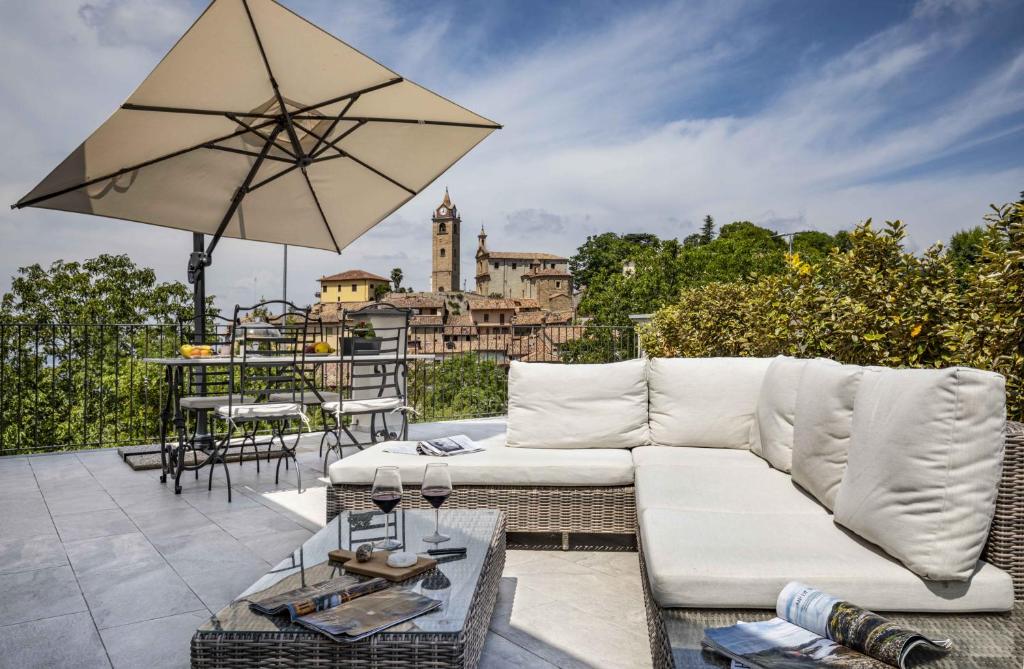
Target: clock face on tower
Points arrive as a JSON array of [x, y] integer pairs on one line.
[[442, 211]]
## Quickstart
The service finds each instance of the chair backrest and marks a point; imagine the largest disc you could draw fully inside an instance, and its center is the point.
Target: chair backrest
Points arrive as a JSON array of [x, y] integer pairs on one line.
[[375, 347], [204, 381], [268, 350]]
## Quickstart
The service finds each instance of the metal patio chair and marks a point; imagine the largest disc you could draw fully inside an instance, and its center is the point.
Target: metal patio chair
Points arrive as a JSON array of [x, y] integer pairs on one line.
[[267, 359], [374, 378]]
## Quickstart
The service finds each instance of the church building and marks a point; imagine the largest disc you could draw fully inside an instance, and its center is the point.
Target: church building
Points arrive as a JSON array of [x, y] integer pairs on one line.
[[446, 275]]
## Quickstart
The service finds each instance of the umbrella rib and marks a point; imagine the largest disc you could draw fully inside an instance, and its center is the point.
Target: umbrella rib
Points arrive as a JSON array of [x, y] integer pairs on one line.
[[248, 153], [378, 119], [346, 154], [260, 184], [333, 144], [240, 193], [263, 136], [323, 217], [126, 170], [334, 124], [273, 83], [131, 106]]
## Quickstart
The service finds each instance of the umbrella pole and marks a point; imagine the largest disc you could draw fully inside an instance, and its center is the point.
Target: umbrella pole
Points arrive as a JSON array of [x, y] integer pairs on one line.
[[197, 275]]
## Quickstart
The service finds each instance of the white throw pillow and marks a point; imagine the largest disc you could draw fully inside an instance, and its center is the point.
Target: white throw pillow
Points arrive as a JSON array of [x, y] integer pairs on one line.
[[776, 405], [706, 402], [577, 406], [923, 468], [821, 429]]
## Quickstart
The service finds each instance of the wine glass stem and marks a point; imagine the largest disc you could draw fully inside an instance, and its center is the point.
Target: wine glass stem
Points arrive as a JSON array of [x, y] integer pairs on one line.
[[437, 520]]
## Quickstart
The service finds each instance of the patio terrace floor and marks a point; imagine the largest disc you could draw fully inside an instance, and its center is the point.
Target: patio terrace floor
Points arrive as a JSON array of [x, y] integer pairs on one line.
[[103, 566]]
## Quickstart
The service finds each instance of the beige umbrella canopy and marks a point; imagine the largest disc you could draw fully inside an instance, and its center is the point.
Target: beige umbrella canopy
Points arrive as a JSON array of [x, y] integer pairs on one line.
[[259, 125]]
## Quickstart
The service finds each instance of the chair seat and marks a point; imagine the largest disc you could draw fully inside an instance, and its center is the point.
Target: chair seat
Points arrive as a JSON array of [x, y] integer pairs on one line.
[[211, 401], [306, 397], [364, 406], [261, 411]]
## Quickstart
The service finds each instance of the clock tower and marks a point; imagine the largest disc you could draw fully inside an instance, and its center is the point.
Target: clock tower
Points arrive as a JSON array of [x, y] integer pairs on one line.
[[446, 276]]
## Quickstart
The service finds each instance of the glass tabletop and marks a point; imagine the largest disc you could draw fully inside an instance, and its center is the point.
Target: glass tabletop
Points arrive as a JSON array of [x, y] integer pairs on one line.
[[454, 581]]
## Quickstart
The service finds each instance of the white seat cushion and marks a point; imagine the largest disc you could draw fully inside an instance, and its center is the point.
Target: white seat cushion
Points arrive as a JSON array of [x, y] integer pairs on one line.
[[717, 488], [924, 463], [772, 439], [707, 402], [821, 429], [498, 465], [306, 397], [197, 402], [686, 456], [719, 559], [577, 406], [260, 411], [364, 406]]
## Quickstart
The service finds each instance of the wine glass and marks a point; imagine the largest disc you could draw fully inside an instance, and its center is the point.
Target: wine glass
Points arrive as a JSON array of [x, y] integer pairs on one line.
[[436, 487], [386, 494]]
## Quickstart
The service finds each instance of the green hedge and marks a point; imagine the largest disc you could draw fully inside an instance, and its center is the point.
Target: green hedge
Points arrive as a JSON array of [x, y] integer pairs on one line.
[[875, 303]]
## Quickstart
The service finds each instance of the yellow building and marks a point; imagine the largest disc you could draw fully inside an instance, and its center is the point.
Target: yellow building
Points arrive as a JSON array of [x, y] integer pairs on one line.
[[354, 285]]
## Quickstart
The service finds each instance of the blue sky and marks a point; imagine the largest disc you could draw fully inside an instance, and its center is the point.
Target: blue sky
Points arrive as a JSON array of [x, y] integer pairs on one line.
[[618, 116]]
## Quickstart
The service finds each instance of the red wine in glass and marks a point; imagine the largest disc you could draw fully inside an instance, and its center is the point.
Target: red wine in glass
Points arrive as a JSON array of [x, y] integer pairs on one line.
[[386, 501], [436, 496]]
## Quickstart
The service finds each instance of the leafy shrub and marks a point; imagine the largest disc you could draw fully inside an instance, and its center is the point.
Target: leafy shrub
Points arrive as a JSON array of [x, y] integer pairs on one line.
[[872, 303]]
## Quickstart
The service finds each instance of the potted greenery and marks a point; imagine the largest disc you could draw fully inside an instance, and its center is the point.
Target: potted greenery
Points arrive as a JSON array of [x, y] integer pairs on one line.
[[362, 340]]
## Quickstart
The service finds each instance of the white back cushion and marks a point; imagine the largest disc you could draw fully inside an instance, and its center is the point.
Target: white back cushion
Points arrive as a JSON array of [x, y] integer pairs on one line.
[[707, 402], [821, 429], [923, 467], [577, 406], [772, 439]]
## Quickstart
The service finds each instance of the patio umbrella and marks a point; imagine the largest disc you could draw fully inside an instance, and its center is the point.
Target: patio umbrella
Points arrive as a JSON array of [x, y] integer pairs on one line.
[[259, 125]]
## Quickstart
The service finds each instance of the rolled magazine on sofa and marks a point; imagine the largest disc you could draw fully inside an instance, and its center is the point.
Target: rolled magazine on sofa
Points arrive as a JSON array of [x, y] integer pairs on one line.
[[814, 629]]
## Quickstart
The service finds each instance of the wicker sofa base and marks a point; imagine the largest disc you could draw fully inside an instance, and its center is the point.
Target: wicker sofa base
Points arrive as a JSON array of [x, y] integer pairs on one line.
[[394, 650], [544, 510]]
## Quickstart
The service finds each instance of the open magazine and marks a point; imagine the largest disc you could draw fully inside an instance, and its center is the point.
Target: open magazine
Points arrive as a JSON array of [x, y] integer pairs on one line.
[[442, 446], [814, 629], [344, 609]]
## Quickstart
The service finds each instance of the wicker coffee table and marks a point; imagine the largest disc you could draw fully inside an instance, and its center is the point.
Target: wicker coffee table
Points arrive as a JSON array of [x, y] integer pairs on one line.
[[452, 636]]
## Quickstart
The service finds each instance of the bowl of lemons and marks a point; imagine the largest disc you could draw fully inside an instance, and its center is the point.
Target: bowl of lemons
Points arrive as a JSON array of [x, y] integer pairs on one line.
[[196, 351]]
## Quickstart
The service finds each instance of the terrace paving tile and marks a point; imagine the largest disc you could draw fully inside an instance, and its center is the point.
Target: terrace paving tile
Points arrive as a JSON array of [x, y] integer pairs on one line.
[[72, 501], [500, 653], [64, 641], [103, 554], [161, 643], [166, 523], [93, 524], [253, 521], [275, 547], [31, 553], [21, 599], [33, 521], [136, 592]]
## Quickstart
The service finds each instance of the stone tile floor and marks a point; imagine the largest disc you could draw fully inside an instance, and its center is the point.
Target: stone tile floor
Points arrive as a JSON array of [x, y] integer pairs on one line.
[[103, 566]]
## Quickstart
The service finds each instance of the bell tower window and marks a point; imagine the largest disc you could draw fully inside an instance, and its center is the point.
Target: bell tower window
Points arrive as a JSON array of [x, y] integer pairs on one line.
[[442, 253], [442, 228]]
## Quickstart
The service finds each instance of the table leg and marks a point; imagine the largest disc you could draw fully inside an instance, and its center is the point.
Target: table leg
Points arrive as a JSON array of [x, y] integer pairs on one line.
[[165, 419], [179, 424]]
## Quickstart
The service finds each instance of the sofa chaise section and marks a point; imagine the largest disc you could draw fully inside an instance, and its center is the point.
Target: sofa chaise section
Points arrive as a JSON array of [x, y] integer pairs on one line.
[[542, 491]]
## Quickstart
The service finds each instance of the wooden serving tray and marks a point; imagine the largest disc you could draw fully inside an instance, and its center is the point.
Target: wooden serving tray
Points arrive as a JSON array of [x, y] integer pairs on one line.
[[378, 565]]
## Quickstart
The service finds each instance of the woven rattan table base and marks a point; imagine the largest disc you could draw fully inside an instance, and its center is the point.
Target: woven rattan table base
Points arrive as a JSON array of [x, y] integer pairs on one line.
[[385, 650]]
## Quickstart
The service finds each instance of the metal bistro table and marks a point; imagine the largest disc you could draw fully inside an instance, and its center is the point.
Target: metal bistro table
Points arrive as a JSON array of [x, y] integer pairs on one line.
[[451, 637], [172, 455]]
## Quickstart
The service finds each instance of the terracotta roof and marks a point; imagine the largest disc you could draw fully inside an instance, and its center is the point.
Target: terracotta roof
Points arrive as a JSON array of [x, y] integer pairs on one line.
[[527, 304], [516, 255], [559, 317], [529, 318], [491, 303], [415, 300], [460, 320], [538, 273], [424, 320], [352, 275]]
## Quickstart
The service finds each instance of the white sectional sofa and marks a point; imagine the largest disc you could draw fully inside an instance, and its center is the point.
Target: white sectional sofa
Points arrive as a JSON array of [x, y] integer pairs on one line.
[[897, 489]]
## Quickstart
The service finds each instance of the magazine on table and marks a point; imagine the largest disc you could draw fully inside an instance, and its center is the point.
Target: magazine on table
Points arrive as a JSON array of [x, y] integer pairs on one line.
[[814, 629], [346, 609], [460, 444]]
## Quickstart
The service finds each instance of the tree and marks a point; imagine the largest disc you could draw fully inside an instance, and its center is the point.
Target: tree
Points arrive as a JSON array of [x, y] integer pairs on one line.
[[707, 231], [379, 291], [965, 247], [396, 279]]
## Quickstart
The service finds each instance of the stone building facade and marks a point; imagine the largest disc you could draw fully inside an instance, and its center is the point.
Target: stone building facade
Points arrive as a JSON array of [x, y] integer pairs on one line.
[[514, 274], [446, 275]]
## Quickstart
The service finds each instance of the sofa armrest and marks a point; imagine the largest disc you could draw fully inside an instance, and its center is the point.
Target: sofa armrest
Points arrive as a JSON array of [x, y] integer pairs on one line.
[[1005, 547]]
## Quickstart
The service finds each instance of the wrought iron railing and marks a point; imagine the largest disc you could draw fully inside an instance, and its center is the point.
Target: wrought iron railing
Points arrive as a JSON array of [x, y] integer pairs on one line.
[[75, 386]]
